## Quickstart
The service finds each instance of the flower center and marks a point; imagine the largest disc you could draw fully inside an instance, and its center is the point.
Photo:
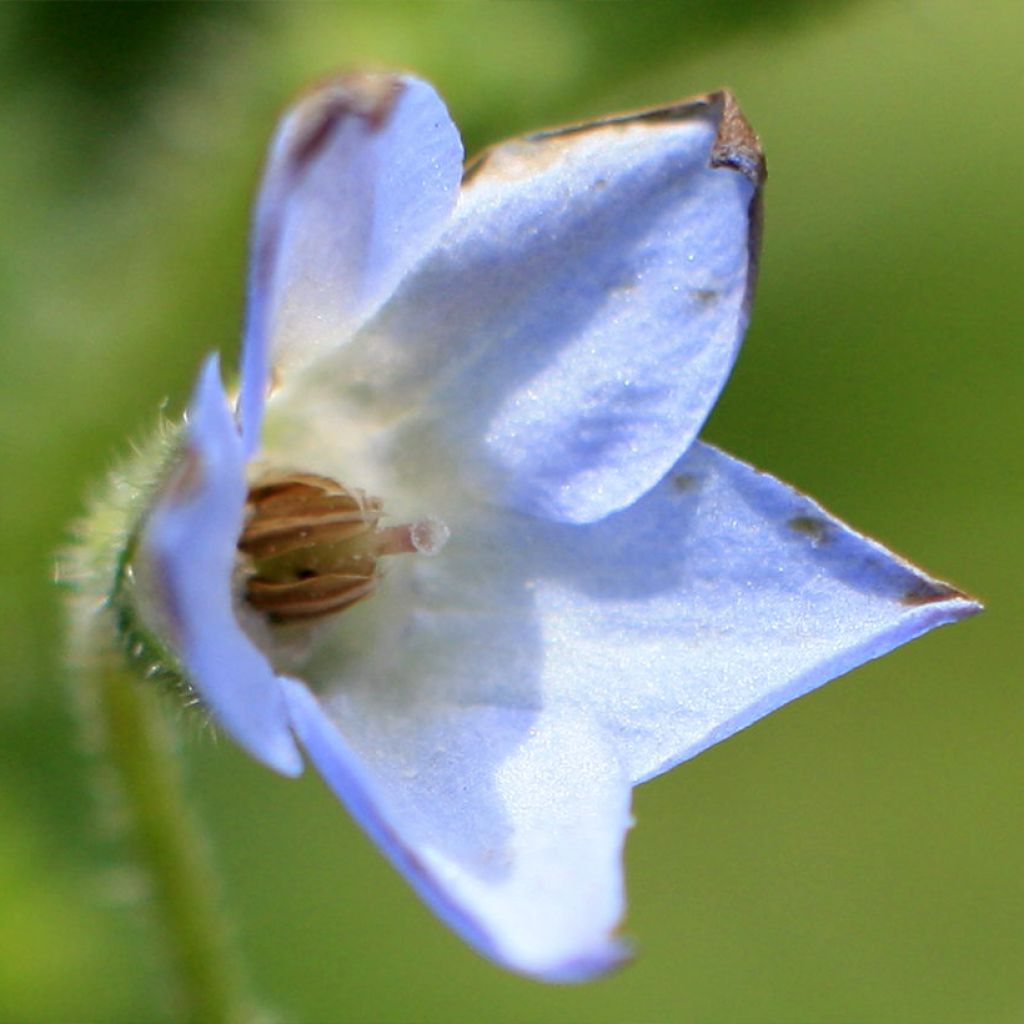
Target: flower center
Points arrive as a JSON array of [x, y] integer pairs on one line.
[[314, 545]]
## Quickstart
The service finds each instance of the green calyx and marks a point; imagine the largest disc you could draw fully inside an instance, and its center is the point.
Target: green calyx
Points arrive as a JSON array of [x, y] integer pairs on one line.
[[97, 567]]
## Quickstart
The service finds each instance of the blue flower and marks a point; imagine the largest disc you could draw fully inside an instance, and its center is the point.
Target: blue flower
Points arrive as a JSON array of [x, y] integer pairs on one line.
[[457, 541]]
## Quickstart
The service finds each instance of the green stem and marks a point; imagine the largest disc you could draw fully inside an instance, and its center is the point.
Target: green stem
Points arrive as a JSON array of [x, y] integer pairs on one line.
[[184, 891]]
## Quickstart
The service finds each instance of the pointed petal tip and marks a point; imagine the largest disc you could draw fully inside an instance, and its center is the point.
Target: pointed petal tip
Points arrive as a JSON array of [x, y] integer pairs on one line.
[[208, 391], [210, 416], [952, 600], [736, 144], [209, 371]]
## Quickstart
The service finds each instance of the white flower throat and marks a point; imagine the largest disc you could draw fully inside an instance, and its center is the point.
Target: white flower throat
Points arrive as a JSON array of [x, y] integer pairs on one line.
[[314, 545]]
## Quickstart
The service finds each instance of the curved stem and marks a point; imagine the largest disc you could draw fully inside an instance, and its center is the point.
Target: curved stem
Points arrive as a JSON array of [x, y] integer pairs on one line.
[[184, 891]]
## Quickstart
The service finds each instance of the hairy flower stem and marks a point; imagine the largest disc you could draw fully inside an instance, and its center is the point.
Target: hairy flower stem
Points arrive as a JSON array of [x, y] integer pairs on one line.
[[139, 745]]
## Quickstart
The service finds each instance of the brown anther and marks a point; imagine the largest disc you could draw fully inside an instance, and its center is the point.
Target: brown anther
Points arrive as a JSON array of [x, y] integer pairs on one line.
[[304, 511], [311, 598], [314, 546]]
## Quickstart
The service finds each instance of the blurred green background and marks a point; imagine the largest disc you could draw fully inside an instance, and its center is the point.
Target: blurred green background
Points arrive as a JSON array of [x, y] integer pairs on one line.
[[855, 857]]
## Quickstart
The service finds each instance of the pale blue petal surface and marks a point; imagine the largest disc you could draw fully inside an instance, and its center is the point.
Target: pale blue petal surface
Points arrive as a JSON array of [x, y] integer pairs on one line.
[[188, 551], [719, 597], [715, 599], [511, 690], [508, 822], [361, 177], [576, 323]]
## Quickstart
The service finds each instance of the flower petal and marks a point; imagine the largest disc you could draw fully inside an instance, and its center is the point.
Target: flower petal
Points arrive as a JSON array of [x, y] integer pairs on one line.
[[187, 558], [361, 178], [718, 597], [508, 822], [574, 326]]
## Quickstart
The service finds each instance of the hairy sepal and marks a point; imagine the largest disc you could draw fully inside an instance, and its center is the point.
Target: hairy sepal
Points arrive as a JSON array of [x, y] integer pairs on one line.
[[97, 567]]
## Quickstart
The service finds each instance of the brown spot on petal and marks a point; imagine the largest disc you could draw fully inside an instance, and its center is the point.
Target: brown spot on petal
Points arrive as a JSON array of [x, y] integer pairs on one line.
[[818, 530], [684, 482]]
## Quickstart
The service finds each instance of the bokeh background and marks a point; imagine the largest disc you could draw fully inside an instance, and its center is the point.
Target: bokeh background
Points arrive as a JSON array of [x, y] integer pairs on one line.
[[855, 857]]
